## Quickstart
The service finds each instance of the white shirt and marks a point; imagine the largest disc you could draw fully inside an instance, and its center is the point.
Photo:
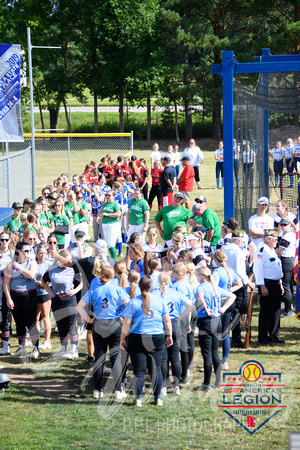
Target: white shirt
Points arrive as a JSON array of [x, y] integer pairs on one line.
[[267, 265], [195, 154], [157, 249], [289, 151], [236, 155], [244, 246], [290, 236], [171, 156], [277, 153], [155, 156], [259, 223], [176, 158], [236, 260], [289, 216]]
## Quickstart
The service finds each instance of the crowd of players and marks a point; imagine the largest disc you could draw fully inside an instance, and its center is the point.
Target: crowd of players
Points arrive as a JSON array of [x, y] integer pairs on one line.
[[148, 304]]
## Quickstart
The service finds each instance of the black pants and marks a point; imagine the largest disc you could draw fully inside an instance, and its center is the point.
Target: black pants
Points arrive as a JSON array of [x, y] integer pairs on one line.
[[209, 334], [240, 307], [24, 313], [248, 172], [145, 191], [5, 319], [140, 346], [236, 166], [172, 354], [106, 334], [269, 315], [197, 176], [288, 282], [65, 313], [155, 192], [278, 168]]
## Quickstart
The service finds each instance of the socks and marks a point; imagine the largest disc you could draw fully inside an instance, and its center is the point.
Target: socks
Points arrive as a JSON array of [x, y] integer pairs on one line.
[[113, 252]]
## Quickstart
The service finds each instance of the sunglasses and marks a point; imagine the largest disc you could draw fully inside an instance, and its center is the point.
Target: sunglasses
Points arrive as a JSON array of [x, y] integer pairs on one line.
[[31, 239], [52, 242], [79, 197], [4, 240], [108, 195], [151, 234], [79, 235], [26, 251], [184, 232]]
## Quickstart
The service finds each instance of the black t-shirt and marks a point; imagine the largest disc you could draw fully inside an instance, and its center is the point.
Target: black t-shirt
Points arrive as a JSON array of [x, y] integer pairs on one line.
[[167, 174], [85, 266]]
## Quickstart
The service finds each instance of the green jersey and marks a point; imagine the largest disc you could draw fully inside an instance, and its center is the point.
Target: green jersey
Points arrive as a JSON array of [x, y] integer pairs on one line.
[[45, 219], [13, 225], [61, 220], [210, 221], [172, 217], [84, 205], [110, 208], [69, 210], [137, 210]]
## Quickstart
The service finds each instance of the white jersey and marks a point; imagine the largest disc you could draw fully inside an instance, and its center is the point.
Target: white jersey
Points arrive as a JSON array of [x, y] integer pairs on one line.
[[267, 265], [277, 218], [260, 223], [220, 154]]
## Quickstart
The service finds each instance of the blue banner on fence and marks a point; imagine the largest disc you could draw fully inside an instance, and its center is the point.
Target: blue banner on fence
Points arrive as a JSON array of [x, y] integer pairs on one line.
[[10, 94]]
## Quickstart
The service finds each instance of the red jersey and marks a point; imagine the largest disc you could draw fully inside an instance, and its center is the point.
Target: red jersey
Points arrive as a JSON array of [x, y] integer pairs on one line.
[[155, 174], [189, 174], [117, 171], [93, 179], [143, 174], [125, 170], [108, 172]]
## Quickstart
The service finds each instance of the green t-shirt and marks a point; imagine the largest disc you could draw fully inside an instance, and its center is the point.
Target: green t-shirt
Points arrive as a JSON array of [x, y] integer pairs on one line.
[[110, 208], [30, 228], [61, 220], [137, 209], [210, 221], [69, 210], [172, 217], [84, 205], [44, 220], [13, 225]]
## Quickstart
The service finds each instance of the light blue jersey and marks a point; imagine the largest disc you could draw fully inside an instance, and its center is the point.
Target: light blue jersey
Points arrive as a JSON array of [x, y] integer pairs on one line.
[[221, 277], [94, 284], [106, 300], [153, 322], [175, 301], [211, 300], [115, 282]]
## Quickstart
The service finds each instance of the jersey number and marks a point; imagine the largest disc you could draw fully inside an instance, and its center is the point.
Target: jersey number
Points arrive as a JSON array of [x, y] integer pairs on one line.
[[171, 307], [104, 303]]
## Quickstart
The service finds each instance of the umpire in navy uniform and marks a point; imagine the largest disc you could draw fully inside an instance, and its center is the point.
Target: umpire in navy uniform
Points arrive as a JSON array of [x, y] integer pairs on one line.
[[268, 275]]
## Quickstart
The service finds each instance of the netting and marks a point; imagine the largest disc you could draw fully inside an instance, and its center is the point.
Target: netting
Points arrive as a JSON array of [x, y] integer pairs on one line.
[[266, 110]]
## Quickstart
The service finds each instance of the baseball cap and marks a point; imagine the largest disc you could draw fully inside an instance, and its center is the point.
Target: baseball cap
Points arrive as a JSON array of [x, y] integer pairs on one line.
[[178, 194], [200, 199], [284, 222], [185, 158], [190, 237], [289, 140], [52, 196], [263, 200], [100, 244], [80, 233], [200, 228], [16, 205]]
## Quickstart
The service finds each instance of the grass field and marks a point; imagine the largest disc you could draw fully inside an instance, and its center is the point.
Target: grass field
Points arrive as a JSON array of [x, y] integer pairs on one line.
[[50, 404]]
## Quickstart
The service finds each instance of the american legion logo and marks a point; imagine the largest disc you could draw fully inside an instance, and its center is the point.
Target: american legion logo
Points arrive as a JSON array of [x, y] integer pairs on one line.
[[252, 396]]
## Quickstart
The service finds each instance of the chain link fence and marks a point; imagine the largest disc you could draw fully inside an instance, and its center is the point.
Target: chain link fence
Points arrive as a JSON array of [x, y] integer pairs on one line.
[[16, 179], [70, 153]]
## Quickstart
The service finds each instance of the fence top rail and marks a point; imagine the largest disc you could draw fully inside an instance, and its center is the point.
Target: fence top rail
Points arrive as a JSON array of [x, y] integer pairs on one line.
[[15, 154], [65, 135]]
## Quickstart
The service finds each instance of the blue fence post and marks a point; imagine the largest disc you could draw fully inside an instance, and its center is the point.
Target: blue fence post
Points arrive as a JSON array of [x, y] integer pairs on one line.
[[228, 63]]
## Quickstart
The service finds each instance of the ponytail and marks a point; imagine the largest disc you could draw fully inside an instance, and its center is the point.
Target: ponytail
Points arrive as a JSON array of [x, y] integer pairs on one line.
[[206, 273], [145, 284], [220, 256], [133, 278], [164, 280], [120, 269]]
